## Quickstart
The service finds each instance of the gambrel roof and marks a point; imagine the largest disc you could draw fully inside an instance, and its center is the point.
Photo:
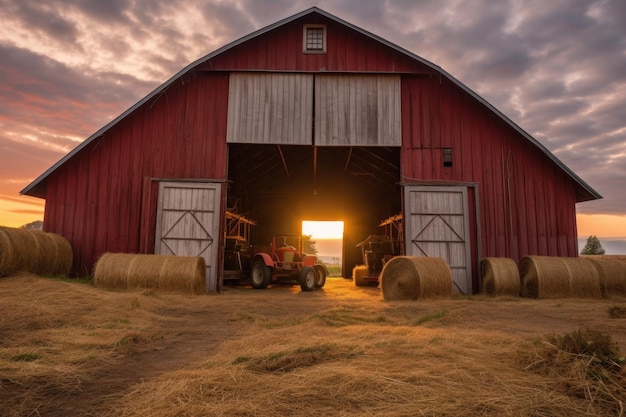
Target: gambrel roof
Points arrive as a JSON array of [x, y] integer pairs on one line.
[[37, 187]]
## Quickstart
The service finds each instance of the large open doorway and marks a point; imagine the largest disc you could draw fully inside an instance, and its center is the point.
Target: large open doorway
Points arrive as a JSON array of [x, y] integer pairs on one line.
[[278, 186]]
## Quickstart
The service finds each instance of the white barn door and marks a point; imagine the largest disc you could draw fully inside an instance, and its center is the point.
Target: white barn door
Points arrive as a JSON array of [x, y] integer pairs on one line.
[[436, 224], [188, 221]]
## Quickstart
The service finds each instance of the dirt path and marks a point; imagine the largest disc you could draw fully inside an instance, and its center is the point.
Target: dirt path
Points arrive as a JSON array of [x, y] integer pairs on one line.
[[183, 345], [189, 336], [184, 333]]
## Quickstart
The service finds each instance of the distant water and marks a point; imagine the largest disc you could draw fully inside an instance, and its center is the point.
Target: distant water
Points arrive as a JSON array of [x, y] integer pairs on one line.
[[327, 249]]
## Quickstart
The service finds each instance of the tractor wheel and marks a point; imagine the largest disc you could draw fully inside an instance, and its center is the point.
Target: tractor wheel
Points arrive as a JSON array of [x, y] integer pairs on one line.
[[320, 276], [308, 278], [260, 275]]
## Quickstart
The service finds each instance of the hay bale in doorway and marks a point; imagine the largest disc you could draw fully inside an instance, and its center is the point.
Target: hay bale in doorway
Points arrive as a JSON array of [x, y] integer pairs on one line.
[[612, 273], [359, 273], [544, 277], [410, 278], [159, 272], [500, 276]]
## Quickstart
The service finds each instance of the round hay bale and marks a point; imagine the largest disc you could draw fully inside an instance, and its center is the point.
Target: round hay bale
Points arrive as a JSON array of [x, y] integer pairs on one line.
[[29, 250], [159, 272], [584, 280], [500, 276], [34, 251], [183, 273], [111, 270], [410, 278], [612, 273], [45, 253], [7, 252], [359, 273], [22, 247], [143, 271], [64, 255], [544, 277]]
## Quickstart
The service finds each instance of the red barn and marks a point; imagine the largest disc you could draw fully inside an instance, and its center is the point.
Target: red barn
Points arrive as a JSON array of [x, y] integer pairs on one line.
[[313, 118]]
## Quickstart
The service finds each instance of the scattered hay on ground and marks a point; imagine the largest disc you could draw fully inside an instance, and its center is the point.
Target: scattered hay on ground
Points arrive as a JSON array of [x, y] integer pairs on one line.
[[371, 380], [587, 364], [410, 278], [159, 272], [72, 349], [617, 312], [500, 276]]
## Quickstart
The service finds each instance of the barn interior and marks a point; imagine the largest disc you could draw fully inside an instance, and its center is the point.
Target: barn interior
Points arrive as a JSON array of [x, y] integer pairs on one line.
[[278, 186]]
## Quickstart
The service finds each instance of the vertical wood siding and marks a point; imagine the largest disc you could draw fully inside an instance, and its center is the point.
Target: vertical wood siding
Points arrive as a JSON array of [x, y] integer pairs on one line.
[[98, 199], [103, 198], [357, 110], [270, 108], [527, 203], [348, 51]]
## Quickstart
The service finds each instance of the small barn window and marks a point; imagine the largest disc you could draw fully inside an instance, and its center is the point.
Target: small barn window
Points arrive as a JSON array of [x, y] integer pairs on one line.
[[314, 39], [447, 157]]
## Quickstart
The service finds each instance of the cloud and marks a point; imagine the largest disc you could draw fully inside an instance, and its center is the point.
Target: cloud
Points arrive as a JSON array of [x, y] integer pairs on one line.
[[557, 68], [24, 211], [41, 17]]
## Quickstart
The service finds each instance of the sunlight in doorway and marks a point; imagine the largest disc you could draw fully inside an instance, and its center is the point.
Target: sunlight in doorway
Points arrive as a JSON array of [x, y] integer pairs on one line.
[[323, 229], [328, 237]]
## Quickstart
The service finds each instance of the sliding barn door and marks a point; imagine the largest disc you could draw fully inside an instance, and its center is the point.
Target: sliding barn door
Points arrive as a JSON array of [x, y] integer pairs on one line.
[[188, 220], [437, 225]]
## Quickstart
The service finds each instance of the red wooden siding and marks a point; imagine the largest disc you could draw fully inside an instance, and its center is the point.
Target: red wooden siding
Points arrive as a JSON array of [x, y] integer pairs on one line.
[[103, 197], [98, 199], [281, 50], [527, 203]]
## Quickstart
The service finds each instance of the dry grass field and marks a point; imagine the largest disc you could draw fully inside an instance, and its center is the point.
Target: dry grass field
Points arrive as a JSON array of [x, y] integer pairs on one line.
[[67, 348]]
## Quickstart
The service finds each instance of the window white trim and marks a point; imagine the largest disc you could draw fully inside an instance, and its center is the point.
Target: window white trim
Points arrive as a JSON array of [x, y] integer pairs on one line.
[[314, 39]]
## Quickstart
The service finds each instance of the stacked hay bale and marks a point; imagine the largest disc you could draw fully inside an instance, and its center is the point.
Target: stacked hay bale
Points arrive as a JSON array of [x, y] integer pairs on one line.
[[558, 277], [159, 272], [412, 278], [34, 251], [500, 276]]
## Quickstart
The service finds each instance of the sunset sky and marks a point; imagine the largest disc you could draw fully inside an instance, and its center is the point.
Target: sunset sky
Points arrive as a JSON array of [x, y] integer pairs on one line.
[[557, 68]]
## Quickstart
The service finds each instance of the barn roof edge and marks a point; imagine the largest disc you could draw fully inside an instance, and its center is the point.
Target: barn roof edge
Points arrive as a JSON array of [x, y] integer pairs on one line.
[[37, 187]]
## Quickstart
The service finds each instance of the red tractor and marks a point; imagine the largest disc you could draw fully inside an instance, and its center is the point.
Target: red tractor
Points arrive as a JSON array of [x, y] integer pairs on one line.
[[285, 261]]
